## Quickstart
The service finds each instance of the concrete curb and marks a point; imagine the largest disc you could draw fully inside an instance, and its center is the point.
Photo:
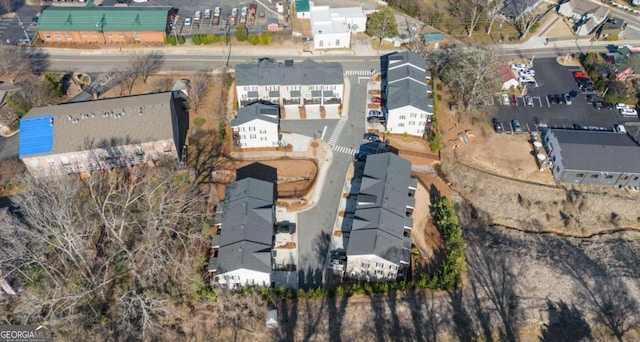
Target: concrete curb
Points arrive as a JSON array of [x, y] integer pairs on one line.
[[3, 129], [322, 176]]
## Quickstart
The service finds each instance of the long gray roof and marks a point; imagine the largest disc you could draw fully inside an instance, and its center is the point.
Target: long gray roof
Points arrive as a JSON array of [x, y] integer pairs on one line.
[[259, 111], [406, 82], [108, 123], [597, 151], [306, 72], [380, 215], [247, 227]]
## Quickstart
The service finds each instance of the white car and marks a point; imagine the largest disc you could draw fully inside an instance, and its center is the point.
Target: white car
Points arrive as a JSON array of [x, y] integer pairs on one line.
[[621, 106], [197, 15], [187, 21], [505, 100], [243, 12], [140, 1], [519, 67], [628, 112], [620, 129], [527, 72], [234, 12], [526, 79]]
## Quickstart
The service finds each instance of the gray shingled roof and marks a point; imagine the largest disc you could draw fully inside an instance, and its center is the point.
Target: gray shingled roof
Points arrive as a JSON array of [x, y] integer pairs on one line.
[[257, 111], [94, 128], [408, 72], [379, 218], [408, 93], [597, 151], [306, 72], [406, 57], [247, 228]]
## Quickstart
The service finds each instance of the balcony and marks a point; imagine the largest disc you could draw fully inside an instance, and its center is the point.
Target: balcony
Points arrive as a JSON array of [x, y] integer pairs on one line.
[[244, 103], [332, 100], [313, 101], [292, 101]]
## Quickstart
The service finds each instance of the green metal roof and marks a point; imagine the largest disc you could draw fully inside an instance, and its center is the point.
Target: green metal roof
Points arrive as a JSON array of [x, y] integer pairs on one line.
[[302, 6], [124, 19]]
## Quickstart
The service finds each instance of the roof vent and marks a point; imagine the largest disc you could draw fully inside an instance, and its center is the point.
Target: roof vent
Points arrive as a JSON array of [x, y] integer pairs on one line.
[[288, 62], [51, 122]]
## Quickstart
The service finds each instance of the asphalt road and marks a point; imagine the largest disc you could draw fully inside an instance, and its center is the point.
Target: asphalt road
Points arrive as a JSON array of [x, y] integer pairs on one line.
[[315, 225]]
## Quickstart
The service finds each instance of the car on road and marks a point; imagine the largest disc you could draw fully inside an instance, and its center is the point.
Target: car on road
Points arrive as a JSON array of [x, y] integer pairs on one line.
[[528, 100], [567, 99], [188, 21], [376, 99], [497, 125], [505, 99], [375, 113], [516, 126], [628, 112], [24, 39], [513, 100], [373, 137]]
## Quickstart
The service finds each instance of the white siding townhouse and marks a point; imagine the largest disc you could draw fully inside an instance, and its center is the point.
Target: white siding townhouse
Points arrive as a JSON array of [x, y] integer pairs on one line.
[[257, 125], [306, 84], [332, 27], [405, 87], [243, 244], [379, 243], [100, 135]]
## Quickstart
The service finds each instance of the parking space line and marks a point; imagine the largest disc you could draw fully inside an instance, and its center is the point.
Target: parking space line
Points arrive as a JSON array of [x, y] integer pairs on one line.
[[539, 100]]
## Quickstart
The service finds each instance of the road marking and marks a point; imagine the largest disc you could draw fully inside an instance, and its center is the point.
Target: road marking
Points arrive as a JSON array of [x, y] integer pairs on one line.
[[336, 132], [323, 132], [358, 72], [343, 149]]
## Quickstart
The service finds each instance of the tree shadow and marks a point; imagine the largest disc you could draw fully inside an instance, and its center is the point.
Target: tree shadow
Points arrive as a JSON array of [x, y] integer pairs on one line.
[[287, 319], [38, 60], [463, 325], [428, 315], [312, 277], [566, 323], [336, 307], [206, 155]]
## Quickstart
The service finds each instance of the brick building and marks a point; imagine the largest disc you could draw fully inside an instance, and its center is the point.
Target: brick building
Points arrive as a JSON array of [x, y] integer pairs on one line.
[[105, 24]]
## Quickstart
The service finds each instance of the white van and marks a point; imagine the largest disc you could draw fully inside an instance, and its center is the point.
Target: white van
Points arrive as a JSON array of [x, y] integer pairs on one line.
[[620, 129]]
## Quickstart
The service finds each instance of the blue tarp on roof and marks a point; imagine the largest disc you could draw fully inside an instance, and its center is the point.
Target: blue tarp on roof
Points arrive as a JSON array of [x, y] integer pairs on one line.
[[36, 136]]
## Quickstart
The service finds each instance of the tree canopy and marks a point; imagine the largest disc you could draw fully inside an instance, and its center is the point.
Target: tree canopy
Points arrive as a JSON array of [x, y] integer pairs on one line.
[[382, 24]]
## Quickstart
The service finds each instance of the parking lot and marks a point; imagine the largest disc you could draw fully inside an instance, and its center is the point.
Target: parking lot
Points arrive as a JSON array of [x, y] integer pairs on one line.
[[552, 79], [213, 24]]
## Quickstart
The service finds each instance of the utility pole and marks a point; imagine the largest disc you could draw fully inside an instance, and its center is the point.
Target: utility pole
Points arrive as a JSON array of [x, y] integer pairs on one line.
[[21, 24]]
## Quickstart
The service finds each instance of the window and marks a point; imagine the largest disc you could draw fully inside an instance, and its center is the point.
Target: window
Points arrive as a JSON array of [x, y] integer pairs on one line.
[[120, 35], [337, 42], [635, 178], [608, 177], [402, 117], [252, 136], [95, 35], [413, 115], [252, 129], [263, 138], [421, 123], [136, 36], [558, 169], [595, 176], [321, 44], [47, 36], [578, 175], [263, 131], [412, 123], [422, 116], [110, 35], [625, 177], [58, 36], [420, 131], [401, 124]]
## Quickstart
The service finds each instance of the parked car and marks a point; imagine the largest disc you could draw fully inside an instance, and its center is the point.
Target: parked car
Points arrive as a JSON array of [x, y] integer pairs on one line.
[[375, 113], [519, 66], [528, 100], [619, 129], [559, 99], [527, 72], [573, 94], [373, 137], [497, 125], [551, 99], [589, 89], [516, 126], [376, 99], [598, 105], [595, 98], [505, 99], [567, 99], [207, 13], [514, 102], [188, 21], [24, 39], [234, 12], [197, 16], [525, 79], [243, 11], [628, 112], [620, 106], [372, 119]]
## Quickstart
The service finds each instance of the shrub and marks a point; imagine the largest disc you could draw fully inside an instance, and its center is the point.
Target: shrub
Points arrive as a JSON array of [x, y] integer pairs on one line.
[[266, 38], [242, 33], [254, 40], [199, 122], [534, 27], [339, 291], [181, 40], [196, 39], [53, 84], [170, 40], [436, 144]]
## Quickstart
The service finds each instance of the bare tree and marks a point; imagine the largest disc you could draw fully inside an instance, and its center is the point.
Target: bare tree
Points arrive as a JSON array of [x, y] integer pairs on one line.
[[14, 63], [32, 93], [111, 247], [240, 311], [128, 78], [198, 90], [522, 17], [468, 11], [162, 84], [148, 64], [7, 5], [493, 9], [472, 75]]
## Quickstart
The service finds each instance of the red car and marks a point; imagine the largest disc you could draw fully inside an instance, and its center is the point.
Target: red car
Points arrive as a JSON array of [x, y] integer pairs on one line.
[[513, 100], [376, 99]]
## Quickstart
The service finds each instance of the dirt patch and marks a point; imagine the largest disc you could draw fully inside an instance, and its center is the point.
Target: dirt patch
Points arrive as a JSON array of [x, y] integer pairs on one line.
[[425, 235], [568, 61], [314, 144], [560, 28], [295, 176], [414, 149], [337, 233], [288, 245]]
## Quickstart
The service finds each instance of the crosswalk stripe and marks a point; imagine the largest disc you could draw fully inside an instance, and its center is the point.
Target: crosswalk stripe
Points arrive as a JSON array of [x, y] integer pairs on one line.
[[343, 149], [358, 72], [336, 132]]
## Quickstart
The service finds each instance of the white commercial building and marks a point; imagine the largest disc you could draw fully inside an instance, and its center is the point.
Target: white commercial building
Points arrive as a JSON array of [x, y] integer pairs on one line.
[[332, 27]]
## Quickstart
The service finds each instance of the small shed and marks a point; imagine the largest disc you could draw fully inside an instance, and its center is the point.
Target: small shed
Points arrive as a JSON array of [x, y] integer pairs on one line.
[[272, 319], [432, 40], [272, 24]]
